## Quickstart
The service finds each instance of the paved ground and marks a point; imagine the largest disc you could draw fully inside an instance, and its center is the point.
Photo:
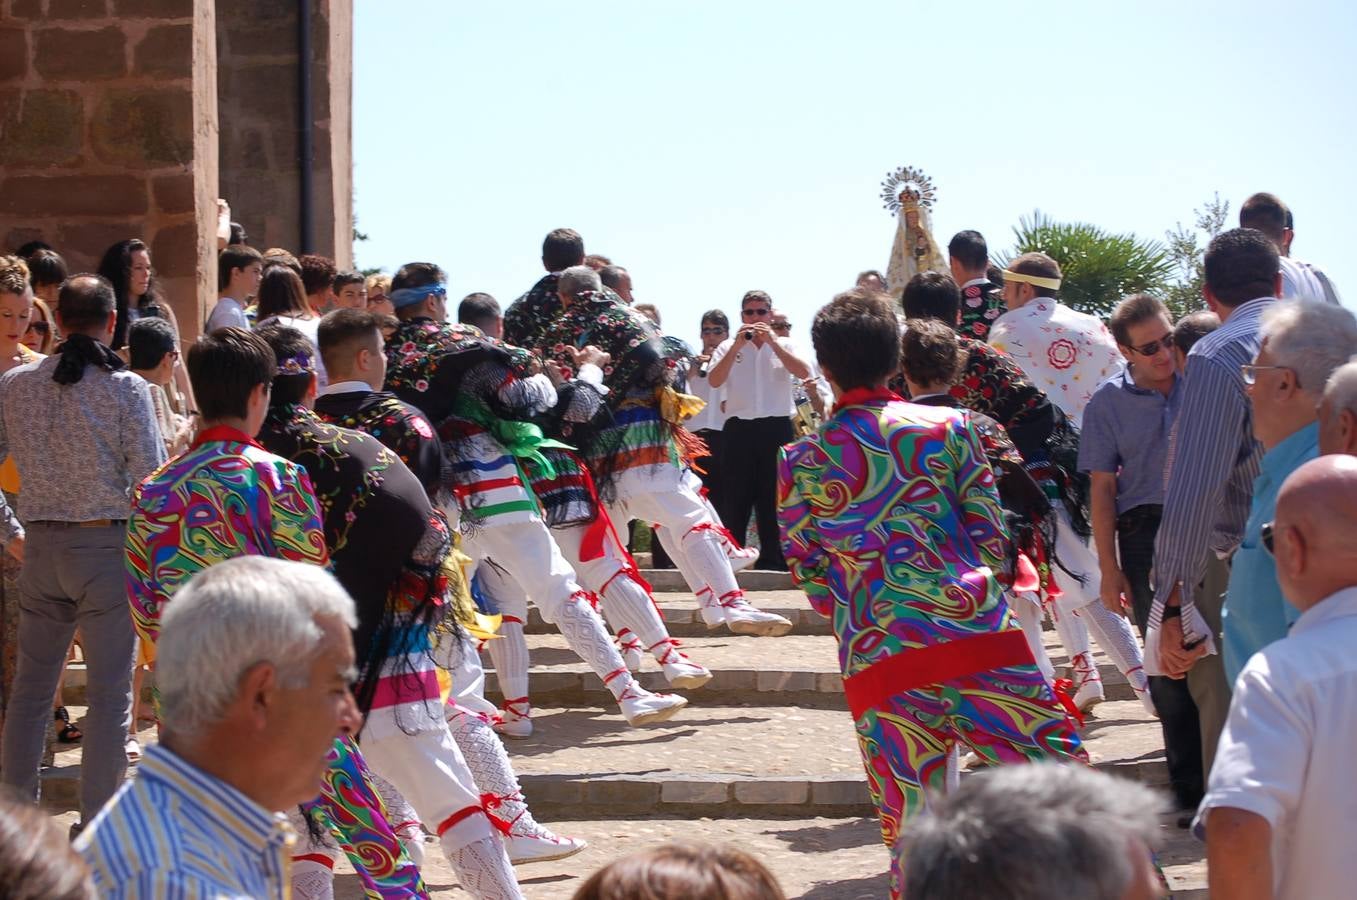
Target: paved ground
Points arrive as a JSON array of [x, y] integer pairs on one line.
[[764, 757]]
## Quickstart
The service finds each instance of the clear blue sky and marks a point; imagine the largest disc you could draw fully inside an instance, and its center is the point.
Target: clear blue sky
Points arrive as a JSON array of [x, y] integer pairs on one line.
[[712, 148]]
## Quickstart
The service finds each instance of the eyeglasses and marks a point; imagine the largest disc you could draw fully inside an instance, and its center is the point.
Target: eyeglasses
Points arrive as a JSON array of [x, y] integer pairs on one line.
[[714, 330], [1250, 372], [782, 326], [1266, 533], [755, 311], [39, 327], [1153, 347]]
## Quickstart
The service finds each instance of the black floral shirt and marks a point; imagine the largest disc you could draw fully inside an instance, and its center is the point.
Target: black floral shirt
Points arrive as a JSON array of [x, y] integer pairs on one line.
[[399, 426], [991, 383], [981, 305], [529, 317]]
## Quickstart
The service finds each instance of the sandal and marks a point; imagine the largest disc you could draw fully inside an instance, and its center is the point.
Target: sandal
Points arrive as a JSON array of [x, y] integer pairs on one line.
[[66, 732]]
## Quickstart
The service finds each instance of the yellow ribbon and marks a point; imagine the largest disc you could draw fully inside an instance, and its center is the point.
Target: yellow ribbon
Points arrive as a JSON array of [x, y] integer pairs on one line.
[[676, 407], [1038, 280]]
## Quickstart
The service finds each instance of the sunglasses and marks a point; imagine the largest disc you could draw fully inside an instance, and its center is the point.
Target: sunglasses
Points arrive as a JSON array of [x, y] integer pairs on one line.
[[755, 311], [1250, 372], [39, 327], [1266, 533], [782, 326], [714, 330], [1153, 347]]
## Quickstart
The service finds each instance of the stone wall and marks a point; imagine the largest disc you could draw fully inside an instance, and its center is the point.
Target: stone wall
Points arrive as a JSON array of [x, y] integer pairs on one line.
[[108, 130], [257, 88]]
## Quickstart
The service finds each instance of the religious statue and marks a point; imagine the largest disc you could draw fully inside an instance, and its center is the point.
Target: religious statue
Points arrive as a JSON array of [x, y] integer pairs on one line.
[[909, 194]]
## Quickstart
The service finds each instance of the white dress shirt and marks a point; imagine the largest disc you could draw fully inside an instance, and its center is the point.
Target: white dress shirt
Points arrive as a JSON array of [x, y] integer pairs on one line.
[[1307, 281], [758, 385], [1286, 752], [711, 416]]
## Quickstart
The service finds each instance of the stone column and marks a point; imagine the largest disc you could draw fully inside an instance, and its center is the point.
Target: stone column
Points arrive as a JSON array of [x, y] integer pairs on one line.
[[258, 83], [108, 130]]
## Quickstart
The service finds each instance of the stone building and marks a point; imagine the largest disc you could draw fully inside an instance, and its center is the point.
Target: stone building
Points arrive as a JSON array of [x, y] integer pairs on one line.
[[129, 118]]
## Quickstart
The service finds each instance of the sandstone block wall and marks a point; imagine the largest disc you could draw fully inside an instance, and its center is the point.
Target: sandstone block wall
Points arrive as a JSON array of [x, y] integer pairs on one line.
[[109, 130]]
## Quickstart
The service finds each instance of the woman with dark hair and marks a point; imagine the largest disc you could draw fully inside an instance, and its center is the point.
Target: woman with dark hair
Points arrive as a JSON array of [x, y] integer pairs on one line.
[[282, 301], [127, 266]]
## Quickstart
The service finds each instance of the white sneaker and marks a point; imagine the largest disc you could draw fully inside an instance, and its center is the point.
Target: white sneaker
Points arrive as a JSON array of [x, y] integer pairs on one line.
[[515, 720], [541, 847], [641, 707], [742, 618], [681, 672], [1089, 695], [633, 654]]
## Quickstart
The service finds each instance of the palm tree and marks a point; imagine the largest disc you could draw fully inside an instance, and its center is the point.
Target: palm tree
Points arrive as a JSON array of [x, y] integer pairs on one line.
[[1098, 267]]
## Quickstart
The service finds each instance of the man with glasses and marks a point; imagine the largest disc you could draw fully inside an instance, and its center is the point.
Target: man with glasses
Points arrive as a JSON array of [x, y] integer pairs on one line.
[[1211, 470], [1124, 447], [1303, 343], [707, 424], [756, 368]]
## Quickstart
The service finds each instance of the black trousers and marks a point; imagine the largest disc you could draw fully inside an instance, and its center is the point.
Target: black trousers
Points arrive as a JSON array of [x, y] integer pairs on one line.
[[749, 482], [1136, 530]]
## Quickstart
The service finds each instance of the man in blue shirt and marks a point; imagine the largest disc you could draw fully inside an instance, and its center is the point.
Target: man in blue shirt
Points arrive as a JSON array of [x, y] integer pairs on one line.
[[1303, 342], [1124, 448]]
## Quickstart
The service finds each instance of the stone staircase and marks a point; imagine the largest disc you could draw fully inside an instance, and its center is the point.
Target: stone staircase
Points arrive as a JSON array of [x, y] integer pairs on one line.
[[764, 757]]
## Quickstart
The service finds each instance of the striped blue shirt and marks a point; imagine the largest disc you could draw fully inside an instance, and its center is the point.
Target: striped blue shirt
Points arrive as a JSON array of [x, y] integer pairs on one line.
[[176, 833], [1213, 461]]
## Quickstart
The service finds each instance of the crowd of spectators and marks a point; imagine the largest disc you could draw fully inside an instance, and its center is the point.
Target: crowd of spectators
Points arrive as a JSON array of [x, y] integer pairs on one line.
[[1181, 492]]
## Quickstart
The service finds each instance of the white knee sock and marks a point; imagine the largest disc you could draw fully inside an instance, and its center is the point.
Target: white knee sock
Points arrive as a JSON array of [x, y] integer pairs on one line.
[[509, 652], [708, 561], [1074, 636], [628, 607], [1114, 635], [1028, 615], [483, 869], [312, 880], [494, 774], [584, 631], [399, 813]]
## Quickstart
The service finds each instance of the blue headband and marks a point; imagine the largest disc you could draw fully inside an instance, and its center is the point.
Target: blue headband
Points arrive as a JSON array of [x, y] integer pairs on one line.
[[410, 296]]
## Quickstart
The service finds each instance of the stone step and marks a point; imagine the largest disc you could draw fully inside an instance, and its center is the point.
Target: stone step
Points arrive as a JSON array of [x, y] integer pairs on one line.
[[749, 580], [717, 760], [794, 669], [683, 617]]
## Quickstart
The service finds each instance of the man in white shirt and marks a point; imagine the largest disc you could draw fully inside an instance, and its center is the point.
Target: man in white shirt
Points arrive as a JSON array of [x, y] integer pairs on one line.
[[756, 368], [239, 269], [1279, 809], [1268, 214], [1066, 353], [708, 423]]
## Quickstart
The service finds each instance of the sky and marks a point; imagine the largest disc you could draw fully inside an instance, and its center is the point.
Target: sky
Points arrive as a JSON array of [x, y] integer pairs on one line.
[[717, 147]]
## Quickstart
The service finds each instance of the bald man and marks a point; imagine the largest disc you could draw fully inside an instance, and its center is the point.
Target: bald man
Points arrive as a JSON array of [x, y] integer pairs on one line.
[[1338, 412], [1281, 802]]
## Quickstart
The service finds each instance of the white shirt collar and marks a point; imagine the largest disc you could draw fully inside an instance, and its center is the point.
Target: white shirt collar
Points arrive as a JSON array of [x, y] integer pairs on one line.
[[1337, 605], [347, 387], [975, 281]]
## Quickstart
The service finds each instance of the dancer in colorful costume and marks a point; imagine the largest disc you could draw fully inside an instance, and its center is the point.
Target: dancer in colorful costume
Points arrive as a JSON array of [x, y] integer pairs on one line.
[[892, 527], [638, 451], [351, 345], [227, 497], [480, 396]]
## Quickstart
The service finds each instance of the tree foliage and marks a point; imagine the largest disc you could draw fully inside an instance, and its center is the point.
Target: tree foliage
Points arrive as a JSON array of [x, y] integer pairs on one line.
[[1185, 295], [1098, 267]]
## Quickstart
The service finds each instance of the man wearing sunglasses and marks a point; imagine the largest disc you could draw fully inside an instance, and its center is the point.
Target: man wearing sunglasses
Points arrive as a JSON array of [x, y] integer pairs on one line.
[[1124, 447], [756, 368]]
